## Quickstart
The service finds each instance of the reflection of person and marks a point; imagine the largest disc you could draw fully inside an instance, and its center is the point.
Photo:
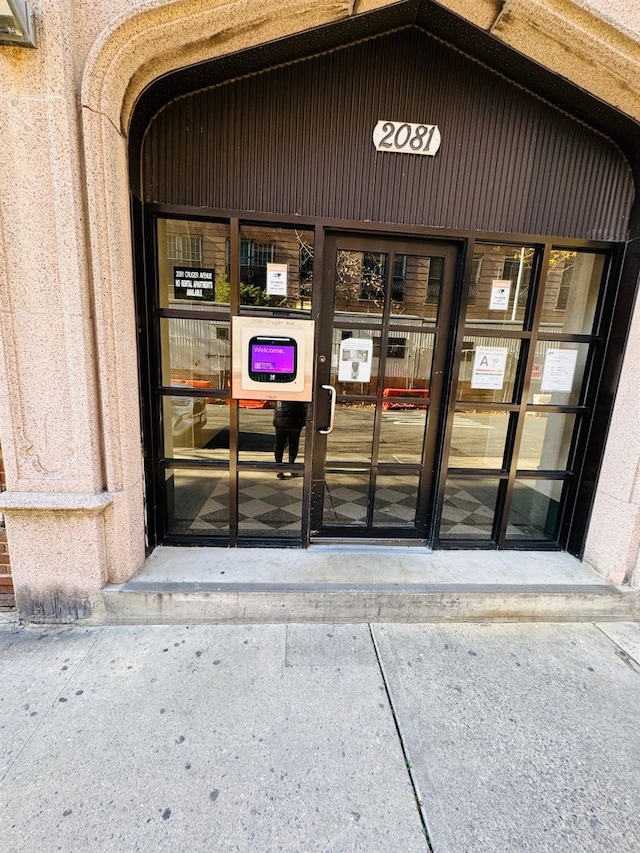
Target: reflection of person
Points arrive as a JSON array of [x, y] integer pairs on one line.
[[288, 419]]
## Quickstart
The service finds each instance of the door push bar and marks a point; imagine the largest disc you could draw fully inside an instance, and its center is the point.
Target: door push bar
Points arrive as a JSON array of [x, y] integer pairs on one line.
[[332, 397]]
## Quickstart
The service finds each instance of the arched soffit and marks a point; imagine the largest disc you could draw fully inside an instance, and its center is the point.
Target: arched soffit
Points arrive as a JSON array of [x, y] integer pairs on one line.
[[296, 140], [156, 37], [160, 36]]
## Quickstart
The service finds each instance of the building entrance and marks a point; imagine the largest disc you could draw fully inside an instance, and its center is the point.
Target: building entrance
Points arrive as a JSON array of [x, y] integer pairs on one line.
[[381, 370], [464, 303], [453, 386]]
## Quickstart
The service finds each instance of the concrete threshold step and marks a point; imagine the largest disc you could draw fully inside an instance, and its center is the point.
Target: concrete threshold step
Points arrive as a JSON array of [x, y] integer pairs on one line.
[[167, 603]]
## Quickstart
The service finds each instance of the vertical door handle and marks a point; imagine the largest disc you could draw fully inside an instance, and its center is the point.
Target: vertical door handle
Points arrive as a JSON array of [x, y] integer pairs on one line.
[[332, 397]]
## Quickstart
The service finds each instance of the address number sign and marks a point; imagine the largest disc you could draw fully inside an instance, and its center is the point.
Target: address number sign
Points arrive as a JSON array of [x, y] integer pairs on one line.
[[406, 138]]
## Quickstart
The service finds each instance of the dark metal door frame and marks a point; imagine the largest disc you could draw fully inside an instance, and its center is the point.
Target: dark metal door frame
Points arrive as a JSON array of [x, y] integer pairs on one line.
[[442, 330]]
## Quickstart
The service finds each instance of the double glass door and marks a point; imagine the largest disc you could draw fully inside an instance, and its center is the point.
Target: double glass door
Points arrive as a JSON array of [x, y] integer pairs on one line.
[[381, 364]]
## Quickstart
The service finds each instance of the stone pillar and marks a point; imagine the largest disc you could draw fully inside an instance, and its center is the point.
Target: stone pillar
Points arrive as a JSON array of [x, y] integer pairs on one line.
[[56, 506]]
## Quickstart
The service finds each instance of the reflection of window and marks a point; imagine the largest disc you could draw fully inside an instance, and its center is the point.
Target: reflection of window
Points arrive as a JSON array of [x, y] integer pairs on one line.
[[254, 257], [222, 334], [434, 282], [184, 247], [468, 349], [563, 290], [510, 271], [476, 268], [399, 276], [396, 347]]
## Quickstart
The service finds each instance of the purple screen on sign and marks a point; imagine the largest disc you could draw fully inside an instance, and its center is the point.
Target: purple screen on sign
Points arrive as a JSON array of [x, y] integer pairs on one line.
[[272, 358]]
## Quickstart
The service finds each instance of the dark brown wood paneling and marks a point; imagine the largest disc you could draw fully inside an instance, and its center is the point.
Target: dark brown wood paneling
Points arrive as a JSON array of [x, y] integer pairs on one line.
[[297, 140]]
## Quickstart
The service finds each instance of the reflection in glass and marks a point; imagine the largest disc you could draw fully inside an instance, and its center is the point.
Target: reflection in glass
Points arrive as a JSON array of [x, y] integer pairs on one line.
[[346, 498], [195, 428], [478, 439], [571, 292], [488, 369], [416, 286], [355, 385], [192, 272], [195, 353], [468, 510], [535, 510], [402, 434], [352, 435], [408, 365], [260, 422], [395, 499], [499, 286], [546, 441], [261, 245], [197, 501], [269, 506], [556, 376], [360, 282]]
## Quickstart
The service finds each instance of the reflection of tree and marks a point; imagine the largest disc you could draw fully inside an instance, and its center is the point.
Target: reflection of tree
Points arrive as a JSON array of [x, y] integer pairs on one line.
[[305, 249], [360, 276], [250, 294]]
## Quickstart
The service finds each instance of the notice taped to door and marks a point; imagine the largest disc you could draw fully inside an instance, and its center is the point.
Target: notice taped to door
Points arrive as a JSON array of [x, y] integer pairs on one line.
[[354, 360], [489, 365]]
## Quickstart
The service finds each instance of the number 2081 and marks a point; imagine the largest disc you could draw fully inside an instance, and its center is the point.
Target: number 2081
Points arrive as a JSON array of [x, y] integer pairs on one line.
[[406, 138]]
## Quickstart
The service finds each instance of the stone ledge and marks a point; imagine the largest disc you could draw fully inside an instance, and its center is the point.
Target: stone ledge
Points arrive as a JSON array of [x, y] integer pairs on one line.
[[27, 502]]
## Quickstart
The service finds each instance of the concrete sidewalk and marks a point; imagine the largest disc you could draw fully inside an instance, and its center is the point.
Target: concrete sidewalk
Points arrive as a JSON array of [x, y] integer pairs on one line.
[[394, 737]]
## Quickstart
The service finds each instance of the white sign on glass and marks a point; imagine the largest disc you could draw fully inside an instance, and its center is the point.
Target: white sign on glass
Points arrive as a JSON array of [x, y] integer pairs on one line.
[[489, 365], [558, 370], [354, 360], [500, 291], [277, 275]]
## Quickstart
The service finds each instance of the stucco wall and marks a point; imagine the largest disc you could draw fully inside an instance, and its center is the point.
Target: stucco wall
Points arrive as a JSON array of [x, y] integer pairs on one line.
[[69, 410]]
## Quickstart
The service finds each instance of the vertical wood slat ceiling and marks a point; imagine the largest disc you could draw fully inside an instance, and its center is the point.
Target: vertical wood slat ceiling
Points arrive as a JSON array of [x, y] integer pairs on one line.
[[297, 140]]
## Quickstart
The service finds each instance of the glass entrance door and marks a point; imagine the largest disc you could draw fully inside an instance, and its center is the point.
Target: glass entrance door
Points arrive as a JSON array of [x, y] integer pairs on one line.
[[381, 365]]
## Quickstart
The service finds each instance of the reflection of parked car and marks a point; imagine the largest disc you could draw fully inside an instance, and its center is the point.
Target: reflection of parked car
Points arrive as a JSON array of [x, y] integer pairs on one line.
[[188, 417]]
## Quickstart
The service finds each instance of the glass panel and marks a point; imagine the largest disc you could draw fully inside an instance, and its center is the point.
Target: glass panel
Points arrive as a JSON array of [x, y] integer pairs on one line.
[[357, 357], [401, 433], [192, 265], [197, 502], [395, 500], [346, 498], [546, 441], [352, 436], [478, 439], [195, 428], [269, 505], [535, 509], [287, 285], [416, 286], [556, 377], [272, 432], [408, 365], [195, 353], [488, 369], [468, 510], [571, 292], [499, 286], [360, 282]]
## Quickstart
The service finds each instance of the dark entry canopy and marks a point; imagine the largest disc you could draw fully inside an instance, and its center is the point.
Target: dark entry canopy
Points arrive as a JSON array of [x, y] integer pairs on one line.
[[297, 140]]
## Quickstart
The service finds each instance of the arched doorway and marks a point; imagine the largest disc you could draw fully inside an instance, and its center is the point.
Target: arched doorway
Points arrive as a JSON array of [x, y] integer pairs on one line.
[[506, 299]]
